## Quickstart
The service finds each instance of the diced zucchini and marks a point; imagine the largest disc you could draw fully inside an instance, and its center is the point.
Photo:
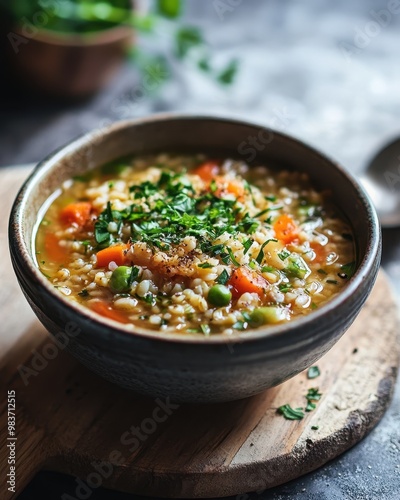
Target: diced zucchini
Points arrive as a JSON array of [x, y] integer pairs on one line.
[[267, 315]]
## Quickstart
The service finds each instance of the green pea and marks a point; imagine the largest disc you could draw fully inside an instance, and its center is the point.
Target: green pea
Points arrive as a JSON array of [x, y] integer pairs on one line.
[[219, 295], [266, 315], [120, 279]]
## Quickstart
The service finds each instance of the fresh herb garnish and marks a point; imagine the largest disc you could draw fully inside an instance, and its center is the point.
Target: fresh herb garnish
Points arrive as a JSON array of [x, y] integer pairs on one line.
[[349, 269], [322, 271], [205, 265], [291, 413], [268, 269], [232, 257], [284, 254], [332, 282], [313, 372], [83, 293], [223, 278], [260, 255], [247, 244], [314, 427]]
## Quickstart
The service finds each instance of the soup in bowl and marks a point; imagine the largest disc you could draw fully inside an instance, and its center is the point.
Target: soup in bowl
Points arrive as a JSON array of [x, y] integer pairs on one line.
[[188, 270]]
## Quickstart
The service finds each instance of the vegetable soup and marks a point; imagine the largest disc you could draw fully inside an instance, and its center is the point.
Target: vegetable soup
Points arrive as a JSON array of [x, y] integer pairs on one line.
[[194, 245]]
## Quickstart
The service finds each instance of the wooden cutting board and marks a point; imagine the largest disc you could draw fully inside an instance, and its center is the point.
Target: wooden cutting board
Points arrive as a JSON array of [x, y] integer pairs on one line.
[[70, 420]]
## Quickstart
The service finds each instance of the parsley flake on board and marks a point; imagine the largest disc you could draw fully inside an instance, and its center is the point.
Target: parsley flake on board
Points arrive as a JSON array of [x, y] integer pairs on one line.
[[311, 396], [313, 372], [291, 413]]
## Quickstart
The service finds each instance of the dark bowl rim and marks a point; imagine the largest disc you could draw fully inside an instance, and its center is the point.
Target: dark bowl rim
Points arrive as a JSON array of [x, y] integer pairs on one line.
[[295, 329]]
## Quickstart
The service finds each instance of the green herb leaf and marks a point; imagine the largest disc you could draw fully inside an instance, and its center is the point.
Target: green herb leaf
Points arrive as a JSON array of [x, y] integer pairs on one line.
[[223, 278], [349, 269], [232, 257], [227, 75], [205, 265], [322, 271], [332, 282], [247, 244], [311, 396], [291, 413], [284, 254], [260, 255], [185, 39], [169, 8], [313, 372]]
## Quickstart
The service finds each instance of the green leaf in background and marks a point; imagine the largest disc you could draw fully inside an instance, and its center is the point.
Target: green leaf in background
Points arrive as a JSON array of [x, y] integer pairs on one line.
[[227, 75], [170, 8], [186, 38]]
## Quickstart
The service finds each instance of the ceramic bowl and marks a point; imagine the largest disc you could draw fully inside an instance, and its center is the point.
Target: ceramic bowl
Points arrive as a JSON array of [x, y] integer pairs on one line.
[[189, 368]]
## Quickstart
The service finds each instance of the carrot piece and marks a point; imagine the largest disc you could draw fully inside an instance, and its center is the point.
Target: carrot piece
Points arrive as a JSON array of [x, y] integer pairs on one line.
[[232, 186], [77, 213], [106, 310], [116, 253], [244, 280], [207, 171], [320, 252], [55, 252], [285, 228]]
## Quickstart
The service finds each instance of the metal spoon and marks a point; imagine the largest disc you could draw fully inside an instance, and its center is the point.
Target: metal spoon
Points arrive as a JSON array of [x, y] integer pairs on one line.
[[381, 179]]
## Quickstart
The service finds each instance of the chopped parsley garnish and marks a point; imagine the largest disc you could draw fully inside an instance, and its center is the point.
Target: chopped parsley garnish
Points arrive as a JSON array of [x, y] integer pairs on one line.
[[314, 427], [332, 282], [83, 293], [247, 244], [284, 254], [260, 255], [348, 269], [291, 413], [297, 267], [232, 257], [313, 372], [322, 271], [205, 265], [169, 210], [268, 269], [223, 278], [285, 287]]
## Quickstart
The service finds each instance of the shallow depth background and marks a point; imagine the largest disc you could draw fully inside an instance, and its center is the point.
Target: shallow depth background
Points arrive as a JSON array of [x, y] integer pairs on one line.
[[325, 72]]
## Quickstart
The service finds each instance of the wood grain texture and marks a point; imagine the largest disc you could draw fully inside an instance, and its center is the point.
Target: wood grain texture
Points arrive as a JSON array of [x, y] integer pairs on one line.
[[70, 420]]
